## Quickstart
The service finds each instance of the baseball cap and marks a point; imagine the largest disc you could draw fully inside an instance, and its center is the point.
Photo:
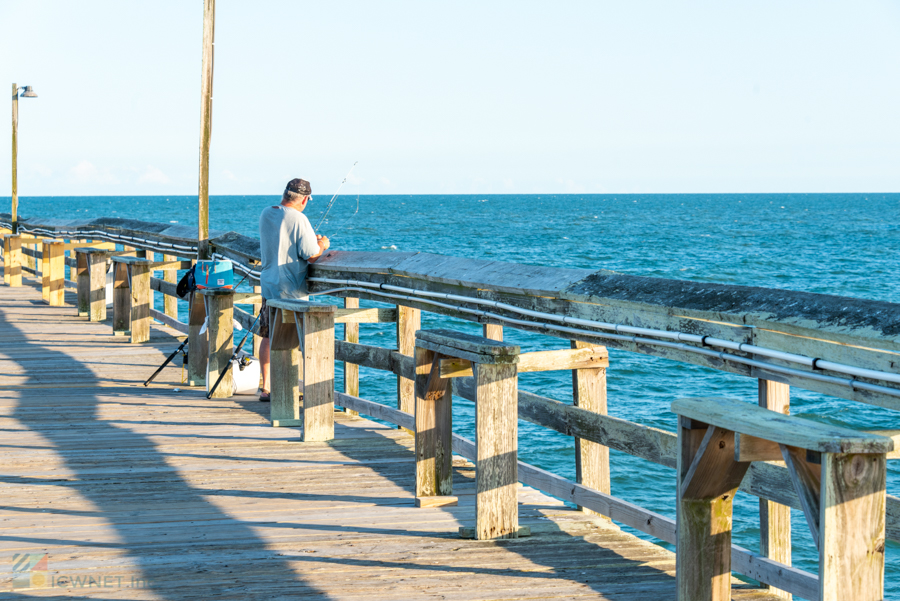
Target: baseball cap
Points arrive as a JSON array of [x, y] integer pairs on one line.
[[299, 186]]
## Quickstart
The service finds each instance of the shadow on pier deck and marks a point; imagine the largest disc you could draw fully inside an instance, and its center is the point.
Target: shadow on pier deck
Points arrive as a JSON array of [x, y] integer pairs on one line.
[[147, 493]]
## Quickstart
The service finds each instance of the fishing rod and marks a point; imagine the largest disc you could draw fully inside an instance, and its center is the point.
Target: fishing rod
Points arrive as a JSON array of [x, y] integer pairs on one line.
[[166, 362], [331, 202], [233, 357]]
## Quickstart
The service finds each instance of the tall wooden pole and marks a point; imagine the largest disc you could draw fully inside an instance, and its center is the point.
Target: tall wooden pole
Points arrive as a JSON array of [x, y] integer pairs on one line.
[[206, 93], [15, 153]]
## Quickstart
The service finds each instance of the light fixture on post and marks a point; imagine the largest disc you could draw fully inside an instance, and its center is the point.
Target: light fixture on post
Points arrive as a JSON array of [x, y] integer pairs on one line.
[[28, 92]]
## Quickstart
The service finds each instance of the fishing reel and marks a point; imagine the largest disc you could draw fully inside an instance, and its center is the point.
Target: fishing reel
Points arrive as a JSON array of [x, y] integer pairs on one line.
[[243, 362]]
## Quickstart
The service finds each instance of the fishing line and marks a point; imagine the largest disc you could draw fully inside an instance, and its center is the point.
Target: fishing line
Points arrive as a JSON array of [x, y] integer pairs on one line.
[[347, 221], [331, 202]]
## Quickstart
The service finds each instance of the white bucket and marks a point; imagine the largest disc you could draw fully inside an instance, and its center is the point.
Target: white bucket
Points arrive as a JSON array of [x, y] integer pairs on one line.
[[246, 381]]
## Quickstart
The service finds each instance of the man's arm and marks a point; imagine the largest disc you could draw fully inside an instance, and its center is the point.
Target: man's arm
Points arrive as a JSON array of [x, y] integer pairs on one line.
[[324, 244]]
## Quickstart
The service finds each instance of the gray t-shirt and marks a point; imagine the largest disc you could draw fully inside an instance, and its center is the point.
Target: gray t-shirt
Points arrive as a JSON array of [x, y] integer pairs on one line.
[[286, 241]]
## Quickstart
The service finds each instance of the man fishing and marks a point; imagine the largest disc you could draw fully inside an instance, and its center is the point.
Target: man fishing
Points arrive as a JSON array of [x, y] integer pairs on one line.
[[288, 244]]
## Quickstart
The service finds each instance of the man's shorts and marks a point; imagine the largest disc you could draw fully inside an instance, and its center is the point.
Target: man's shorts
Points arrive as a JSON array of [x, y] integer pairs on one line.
[[263, 330]]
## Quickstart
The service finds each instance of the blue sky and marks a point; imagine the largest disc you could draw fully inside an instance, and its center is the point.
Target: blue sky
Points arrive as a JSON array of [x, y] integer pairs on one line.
[[457, 97]]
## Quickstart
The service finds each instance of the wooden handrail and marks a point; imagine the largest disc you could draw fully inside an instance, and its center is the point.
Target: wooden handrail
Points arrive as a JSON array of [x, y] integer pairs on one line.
[[828, 328]]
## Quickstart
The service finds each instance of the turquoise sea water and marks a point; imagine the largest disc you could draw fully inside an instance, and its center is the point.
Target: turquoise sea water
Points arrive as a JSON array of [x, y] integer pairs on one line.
[[844, 244]]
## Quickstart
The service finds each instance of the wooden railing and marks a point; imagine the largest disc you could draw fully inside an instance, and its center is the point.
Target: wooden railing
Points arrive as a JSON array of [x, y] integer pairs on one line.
[[843, 347]]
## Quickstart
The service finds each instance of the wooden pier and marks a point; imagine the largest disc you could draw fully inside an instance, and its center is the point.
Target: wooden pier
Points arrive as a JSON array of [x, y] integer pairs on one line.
[[163, 493], [147, 493]]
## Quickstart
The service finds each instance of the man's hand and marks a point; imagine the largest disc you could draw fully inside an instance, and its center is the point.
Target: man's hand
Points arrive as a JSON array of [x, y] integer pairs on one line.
[[324, 244]]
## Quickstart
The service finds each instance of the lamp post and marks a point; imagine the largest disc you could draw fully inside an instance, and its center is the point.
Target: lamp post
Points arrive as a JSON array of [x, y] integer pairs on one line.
[[28, 92]]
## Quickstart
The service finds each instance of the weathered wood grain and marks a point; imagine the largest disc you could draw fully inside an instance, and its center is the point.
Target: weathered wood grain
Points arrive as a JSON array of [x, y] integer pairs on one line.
[[285, 371], [316, 333], [170, 301], [172, 323], [139, 276], [351, 370], [220, 334], [851, 549], [750, 419], [493, 331], [83, 274], [198, 346], [496, 425], [589, 393], [587, 357], [433, 427], [467, 346], [12, 260], [409, 320], [376, 357], [121, 322], [806, 478]]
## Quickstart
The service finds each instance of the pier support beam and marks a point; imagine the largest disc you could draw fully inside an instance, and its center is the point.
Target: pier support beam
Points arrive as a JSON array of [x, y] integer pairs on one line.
[[774, 518], [591, 458], [53, 272], [12, 260], [92, 269], [496, 477], [198, 349], [317, 352], [170, 303], [302, 344], [351, 370], [131, 298], [220, 333], [496, 423], [284, 370], [257, 307], [408, 321], [434, 427]]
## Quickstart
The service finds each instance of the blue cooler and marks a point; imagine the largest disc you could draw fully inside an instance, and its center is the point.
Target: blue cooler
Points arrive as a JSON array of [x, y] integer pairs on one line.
[[210, 275]]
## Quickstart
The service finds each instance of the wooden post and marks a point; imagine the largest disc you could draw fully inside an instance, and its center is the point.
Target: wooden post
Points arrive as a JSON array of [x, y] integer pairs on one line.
[[197, 342], [45, 271], [351, 370], [83, 282], [140, 301], [257, 307], [496, 425], [56, 263], [851, 530], [774, 518], [121, 322], [591, 459], [493, 331], [434, 427], [408, 321], [284, 368], [206, 98], [73, 271], [170, 303], [708, 477], [131, 298], [6, 257], [220, 305], [317, 351], [97, 270], [27, 259], [12, 260]]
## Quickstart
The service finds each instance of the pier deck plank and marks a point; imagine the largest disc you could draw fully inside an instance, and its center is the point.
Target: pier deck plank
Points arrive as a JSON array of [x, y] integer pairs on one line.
[[148, 493]]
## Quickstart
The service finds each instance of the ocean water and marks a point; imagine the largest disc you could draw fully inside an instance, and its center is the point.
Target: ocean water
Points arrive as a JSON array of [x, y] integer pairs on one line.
[[844, 244]]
